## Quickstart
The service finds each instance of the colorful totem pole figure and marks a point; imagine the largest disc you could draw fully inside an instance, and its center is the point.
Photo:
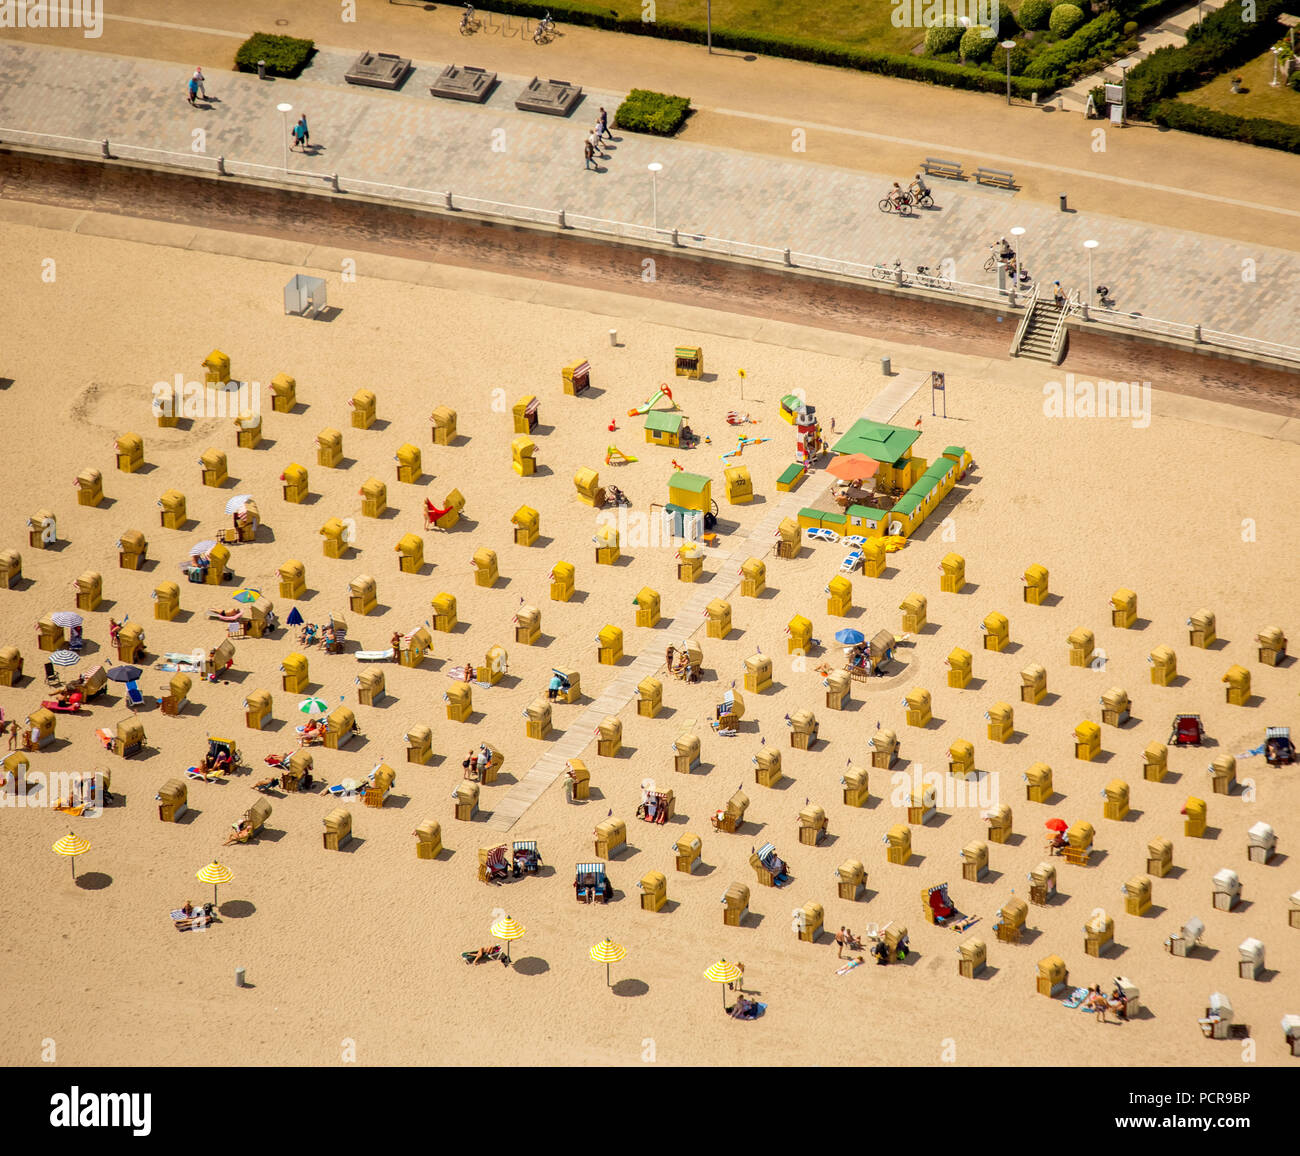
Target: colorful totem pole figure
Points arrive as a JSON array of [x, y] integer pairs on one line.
[[809, 445]]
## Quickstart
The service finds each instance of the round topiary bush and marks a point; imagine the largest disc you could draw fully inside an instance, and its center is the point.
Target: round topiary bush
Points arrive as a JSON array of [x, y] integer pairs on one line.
[[1035, 13], [977, 45], [1065, 19], [1008, 26], [1130, 27], [940, 39]]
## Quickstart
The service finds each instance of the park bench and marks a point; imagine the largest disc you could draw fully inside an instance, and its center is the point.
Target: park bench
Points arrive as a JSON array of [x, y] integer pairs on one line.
[[998, 178], [935, 167]]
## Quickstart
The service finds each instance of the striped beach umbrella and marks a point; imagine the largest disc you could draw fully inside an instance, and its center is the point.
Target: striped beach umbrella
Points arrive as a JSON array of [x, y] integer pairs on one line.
[[72, 845], [214, 873], [723, 972], [238, 502], [201, 548], [607, 952], [508, 930], [314, 707], [66, 618], [65, 658]]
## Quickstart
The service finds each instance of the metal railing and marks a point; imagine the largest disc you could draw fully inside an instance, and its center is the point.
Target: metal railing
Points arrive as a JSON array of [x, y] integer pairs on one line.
[[1058, 331], [1025, 321], [626, 230]]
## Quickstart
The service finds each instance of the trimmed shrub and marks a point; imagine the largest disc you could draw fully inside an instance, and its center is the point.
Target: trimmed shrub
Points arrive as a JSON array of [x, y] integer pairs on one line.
[[652, 112], [1035, 13], [1273, 134], [941, 39], [1067, 58], [1008, 25], [1130, 27], [285, 56], [977, 45], [1065, 19]]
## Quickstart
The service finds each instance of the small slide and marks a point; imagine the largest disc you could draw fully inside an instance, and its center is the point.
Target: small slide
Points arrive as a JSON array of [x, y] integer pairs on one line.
[[616, 457], [653, 400]]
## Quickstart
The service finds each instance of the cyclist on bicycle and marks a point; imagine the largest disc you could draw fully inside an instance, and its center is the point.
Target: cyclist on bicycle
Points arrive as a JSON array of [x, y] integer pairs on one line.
[[919, 187], [898, 196]]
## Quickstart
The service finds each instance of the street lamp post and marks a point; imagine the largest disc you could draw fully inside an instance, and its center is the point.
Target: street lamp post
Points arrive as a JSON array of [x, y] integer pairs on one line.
[[655, 169], [1087, 295], [1017, 233], [1008, 45], [1274, 50], [708, 19], [285, 110]]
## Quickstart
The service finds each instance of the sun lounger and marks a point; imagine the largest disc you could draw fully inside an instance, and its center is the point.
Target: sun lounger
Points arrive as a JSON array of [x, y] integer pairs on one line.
[[1076, 997], [374, 655], [495, 953], [206, 776], [852, 562], [853, 541], [821, 534], [133, 696], [105, 736]]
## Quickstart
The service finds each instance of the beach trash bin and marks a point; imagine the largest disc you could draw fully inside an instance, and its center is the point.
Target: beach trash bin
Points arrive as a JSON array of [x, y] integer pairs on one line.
[[1035, 584], [767, 767], [687, 849], [428, 839], [653, 886], [972, 957], [1052, 975], [1164, 666], [851, 879], [1201, 629], [338, 829], [855, 783]]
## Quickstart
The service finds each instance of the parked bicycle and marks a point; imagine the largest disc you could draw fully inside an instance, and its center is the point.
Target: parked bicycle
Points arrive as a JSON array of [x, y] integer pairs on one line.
[[894, 273], [998, 255], [469, 21], [931, 280], [545, 30]]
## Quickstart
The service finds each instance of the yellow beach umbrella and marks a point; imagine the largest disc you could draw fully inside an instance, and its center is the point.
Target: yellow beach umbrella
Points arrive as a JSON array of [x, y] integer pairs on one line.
[[607, 952], [72, 845], [214, 873], [723, 972], [508, 930]]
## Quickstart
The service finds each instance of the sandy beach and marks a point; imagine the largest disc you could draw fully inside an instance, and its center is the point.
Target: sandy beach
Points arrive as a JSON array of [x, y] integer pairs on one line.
[[356, 954]]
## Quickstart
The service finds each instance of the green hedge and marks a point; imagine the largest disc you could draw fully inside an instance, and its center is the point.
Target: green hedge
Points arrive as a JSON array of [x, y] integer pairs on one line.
[[1273, 134], [1035, 13], [284, 55], [1054, 63], [652, 112]]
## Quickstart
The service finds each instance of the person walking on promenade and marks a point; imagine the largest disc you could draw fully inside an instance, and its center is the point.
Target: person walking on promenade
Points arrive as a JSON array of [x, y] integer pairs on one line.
[[603, 121], [194, 89], [595, 143], [198, 78], [306, 132], [588, 152]]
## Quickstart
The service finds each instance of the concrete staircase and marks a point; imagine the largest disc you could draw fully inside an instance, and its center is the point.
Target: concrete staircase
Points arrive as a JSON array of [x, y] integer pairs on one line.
[[1035, 342]]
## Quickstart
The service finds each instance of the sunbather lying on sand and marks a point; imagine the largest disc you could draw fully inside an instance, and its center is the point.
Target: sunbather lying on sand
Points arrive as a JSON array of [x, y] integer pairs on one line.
[[240, 833]]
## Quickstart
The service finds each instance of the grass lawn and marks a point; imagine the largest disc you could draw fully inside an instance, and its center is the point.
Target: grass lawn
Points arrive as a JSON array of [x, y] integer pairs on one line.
[[850, 22], [1281, 103]]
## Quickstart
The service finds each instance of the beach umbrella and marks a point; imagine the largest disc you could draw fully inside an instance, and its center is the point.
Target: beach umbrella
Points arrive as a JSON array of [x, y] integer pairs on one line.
[[204, 546], [246, 595], [850, 637], [852, 467], [65, 658], [125, 673], [214, 873], [72, 845], [1057, 825], [237, 503], [314, 707], [66, 618], [608, 952], [295, 617], [723, 972], [508, 930]]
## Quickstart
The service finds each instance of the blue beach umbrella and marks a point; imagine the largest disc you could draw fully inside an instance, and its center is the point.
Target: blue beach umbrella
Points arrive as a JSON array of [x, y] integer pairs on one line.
[[850, 637]]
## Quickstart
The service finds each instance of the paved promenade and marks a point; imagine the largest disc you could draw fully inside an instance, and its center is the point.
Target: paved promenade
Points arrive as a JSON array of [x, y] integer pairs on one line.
[[499, 153]]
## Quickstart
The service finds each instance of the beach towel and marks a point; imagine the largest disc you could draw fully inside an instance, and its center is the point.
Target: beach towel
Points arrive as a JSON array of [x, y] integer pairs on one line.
[[1259, 750], [848, 967], [374, 656], [1076, 997]]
